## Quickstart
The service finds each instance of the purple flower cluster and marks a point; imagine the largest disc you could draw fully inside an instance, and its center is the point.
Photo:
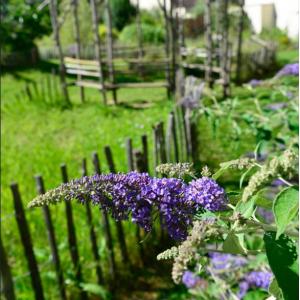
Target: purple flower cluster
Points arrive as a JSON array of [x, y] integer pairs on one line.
[[289, 69], [142, 197], [207, 194], [169, 195], [254, 279], [190, 280], [224, 261]]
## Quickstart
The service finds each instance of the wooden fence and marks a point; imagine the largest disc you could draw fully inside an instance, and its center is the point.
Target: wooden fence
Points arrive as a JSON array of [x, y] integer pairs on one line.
[[174, 143]]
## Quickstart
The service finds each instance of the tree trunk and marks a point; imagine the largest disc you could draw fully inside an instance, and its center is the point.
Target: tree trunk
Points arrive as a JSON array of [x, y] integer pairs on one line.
[[98, 48], [209, 44], [140, 38], [62, 73], [240, 41], [225, 49], [74, 4], [167, 47], [109, 43]]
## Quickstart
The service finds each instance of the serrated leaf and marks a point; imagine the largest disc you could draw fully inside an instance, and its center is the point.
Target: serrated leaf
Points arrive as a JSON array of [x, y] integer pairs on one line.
[[275, 290], [282, 255], [233, 245], [246, 209], [285, 208]]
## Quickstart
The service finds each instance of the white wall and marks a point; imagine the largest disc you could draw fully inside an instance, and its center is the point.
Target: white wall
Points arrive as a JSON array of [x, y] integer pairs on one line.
[[287, 14]]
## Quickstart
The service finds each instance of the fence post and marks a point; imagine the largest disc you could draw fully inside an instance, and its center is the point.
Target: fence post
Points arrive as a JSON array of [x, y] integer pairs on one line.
[[93, 238], [145, 152], [27, 243], [108, 237], [155, 148], [72, 235], [162, 142], [129, 154], [52, 240], [6, 277], [188, 133], [171, 135], [179, 120], [120, 230]]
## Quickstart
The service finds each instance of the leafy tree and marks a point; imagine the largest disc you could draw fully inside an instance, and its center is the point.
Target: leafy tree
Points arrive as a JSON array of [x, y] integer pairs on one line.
[[122, 12], [22, 23]]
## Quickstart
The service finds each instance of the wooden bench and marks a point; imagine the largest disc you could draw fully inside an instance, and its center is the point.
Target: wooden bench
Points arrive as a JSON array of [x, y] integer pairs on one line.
[[90, 68]]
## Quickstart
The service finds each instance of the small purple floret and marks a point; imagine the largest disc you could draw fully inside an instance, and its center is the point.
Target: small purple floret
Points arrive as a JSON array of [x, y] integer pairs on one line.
[[289, 69], [255, 279], [224, 261], [207, 194], [190, 280]]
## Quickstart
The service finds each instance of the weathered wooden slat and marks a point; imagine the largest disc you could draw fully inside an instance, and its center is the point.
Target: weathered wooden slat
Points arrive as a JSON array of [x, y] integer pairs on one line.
[[119, 226], [93, 237], [77, 61], [172, 139], [179, 120], [81, 67], [106, 226], [7, 284], [155, 148], [142, 85], [82, 72], [27, 243], [145, 153], [91, 84], [94, 84], [201, 67], [129, 154], [72, 235], [188, 133], [52, 240], [162, 143]]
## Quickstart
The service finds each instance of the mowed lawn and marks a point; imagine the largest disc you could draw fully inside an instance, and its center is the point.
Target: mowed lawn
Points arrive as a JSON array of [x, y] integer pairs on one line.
[[37, 138]]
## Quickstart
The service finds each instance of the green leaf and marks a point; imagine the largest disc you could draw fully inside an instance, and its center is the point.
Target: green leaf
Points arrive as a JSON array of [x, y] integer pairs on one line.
[[263, 202], [275, 290], [96, 289], [244, 175], [285, 208], [255, 295], [282, 255], [219, 173], [232, 244], [246, 209]]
